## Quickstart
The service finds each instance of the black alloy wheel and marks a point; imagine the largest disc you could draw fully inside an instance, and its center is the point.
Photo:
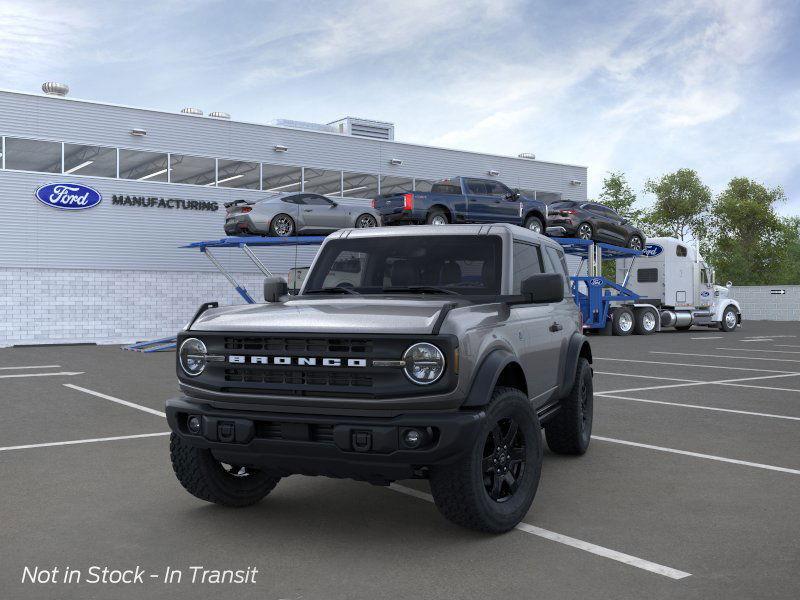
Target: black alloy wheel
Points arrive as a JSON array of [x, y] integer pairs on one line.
[[503, 460], [585, 231], [635, 243], [365, 221]]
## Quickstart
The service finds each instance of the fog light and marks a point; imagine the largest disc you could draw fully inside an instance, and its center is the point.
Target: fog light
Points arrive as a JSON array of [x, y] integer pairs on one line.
[[194, 424], [412, 438]]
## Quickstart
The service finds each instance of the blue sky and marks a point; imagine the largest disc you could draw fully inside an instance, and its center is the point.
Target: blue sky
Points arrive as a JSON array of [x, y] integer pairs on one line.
[[641, 87]]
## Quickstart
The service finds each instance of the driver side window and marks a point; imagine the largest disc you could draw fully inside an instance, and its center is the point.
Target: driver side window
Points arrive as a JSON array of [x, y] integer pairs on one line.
[[317, 200]]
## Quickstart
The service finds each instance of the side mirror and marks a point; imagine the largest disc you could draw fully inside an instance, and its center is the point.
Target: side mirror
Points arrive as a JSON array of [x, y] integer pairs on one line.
[[729, 285], [274, 288], [334, 204], [543, 288]]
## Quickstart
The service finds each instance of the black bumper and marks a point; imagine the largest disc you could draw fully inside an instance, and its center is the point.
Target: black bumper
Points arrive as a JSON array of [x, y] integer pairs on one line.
[[366, 448]]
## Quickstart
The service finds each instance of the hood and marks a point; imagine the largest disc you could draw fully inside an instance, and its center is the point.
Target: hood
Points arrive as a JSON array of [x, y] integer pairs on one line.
[[339, 315]]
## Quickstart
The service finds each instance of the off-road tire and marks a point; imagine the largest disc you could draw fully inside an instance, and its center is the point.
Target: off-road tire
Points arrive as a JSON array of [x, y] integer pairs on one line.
[[459, 488], [532, 220], [619, 322], [570, 430], [723, 325], [275, 233], [434, 213], [640, 326], [204, 477]]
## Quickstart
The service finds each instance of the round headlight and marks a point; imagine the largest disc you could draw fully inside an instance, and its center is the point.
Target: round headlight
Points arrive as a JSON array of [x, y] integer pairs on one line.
[[424, 363], [192, 356]]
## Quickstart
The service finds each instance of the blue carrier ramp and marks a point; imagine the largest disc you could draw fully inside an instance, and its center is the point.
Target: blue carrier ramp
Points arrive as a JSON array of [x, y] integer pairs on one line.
[[593, 292], [245, 243]]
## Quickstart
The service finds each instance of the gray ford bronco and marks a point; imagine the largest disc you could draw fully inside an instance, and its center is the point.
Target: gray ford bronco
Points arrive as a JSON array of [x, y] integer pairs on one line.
[[430, 352]]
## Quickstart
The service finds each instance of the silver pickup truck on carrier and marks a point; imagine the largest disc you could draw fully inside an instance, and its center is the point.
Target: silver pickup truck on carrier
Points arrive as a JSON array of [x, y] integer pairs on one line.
[[411, 352]]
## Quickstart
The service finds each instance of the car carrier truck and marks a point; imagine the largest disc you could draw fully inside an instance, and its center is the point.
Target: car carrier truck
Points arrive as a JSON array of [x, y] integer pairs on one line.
[[673, 278]]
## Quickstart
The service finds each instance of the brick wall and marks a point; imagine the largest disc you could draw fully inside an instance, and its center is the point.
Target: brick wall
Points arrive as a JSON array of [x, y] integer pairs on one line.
[[48, 306], [758, 303]]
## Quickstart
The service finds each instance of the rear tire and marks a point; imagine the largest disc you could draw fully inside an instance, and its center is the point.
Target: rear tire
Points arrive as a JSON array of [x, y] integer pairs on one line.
[[622, 321], [570, 431], [492, 487], [437, 217], [365, 221], [645, 321], [206, 478], [584, 232], [282, 225], [636, 243]]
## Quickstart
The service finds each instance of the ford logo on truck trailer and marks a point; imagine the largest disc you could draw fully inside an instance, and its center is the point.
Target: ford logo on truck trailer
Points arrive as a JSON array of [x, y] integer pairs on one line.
[[68, 196], [652, 250]]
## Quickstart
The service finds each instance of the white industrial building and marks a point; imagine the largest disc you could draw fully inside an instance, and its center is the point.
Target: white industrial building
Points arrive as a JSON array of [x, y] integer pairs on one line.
[[115, 272]]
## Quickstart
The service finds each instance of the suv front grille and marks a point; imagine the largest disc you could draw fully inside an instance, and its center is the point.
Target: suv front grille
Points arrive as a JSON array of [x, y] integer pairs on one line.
[[338, 346], [298, 377]]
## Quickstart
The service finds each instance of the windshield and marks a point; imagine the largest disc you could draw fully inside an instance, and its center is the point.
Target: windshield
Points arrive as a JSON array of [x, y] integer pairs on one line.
[[447, 264]]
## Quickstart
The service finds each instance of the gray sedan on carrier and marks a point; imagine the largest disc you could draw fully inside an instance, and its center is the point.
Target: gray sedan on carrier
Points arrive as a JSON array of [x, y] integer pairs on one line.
[[296, 213]]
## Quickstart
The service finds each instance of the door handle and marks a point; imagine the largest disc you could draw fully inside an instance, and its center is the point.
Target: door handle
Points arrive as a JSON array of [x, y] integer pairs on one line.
[[556, 327], [307, 210]]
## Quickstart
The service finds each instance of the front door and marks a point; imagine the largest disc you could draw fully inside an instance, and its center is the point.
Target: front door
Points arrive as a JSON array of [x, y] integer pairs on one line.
[[322, 214]]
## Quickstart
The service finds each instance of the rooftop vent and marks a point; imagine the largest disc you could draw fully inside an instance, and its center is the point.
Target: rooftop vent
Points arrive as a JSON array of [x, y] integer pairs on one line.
[[51, 88], [527, 155], [219, 115], [303, 125], [377, 130], [192, 111]]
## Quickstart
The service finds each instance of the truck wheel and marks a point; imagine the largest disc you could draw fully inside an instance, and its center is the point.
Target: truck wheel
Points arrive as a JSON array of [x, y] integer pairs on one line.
[[208, 479], [534, 224], [281, 226], [492, 487], [437, 217], [729, 320], [570, 431], [622, 321], [645, 321]]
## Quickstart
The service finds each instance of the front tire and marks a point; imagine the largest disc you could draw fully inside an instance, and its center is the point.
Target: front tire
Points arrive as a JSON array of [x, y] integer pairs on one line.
[[570, 431], [534, 224], [365, 221], [492, 487], [208, 479], [282, 225], [729, 320]]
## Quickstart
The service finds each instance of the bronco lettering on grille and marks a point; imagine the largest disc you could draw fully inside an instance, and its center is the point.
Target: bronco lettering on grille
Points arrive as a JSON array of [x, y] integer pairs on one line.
[[300, 361]]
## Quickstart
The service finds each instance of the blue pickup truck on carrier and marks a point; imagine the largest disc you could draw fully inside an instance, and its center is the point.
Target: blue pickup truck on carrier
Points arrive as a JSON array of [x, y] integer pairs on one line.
[[463, 200]]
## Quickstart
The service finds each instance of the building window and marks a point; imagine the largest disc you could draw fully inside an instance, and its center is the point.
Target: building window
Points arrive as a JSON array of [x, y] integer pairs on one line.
[[97, 161], [423, 185], [194, 170], [237, 174], [396, 185], [33, 155], [321, 181], [144, 166], [359, 185], [280, 178]]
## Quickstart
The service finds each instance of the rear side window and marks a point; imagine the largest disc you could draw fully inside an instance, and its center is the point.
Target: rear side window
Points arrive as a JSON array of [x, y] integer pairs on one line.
[[293, 200], [476, 186], [446, 186], [527, 262], [647, 275]]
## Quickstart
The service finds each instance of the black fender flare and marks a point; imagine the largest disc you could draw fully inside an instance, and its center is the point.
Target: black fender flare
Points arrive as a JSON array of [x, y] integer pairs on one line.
[[486, 376], [578, 346]]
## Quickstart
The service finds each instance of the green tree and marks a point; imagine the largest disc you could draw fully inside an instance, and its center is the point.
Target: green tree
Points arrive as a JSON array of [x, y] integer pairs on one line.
[[618, 195], [750, 243], [681, 205]]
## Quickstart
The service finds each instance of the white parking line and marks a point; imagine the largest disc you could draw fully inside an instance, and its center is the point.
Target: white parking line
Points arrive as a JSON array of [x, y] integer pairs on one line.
[[152, 411], [708, 337], [717, 382], [701, 407], [646, 376], [17, 375], [86, 441], [31, 367], [758, 350], [698, 455], [655, 362], [787, 346], [723, 356], [627, 559]]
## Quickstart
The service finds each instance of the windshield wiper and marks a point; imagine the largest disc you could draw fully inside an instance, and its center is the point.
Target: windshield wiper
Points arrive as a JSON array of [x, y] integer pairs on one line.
[[420, 289], [333, 290]]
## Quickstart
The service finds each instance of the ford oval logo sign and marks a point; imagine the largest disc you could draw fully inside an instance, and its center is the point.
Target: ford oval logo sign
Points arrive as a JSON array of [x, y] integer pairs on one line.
[[705, 294], [652, 250], [68, 196], [596, 281]]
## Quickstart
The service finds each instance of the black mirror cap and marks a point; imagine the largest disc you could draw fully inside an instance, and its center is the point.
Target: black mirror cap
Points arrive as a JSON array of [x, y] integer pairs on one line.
[[274, 288], [543, 288]]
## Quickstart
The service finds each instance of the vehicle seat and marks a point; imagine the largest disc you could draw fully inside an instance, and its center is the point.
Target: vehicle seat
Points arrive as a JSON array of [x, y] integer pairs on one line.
[[450, 274], [404, 274]]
